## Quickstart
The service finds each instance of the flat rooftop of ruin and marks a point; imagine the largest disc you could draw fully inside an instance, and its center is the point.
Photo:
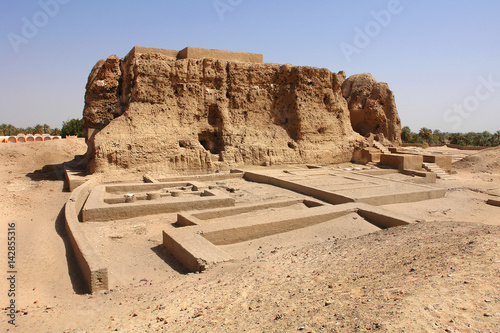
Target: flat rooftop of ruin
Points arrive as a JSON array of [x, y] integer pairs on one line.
[[200, 53]]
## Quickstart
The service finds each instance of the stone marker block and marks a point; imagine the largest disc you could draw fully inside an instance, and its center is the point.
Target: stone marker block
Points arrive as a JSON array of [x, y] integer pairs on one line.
[[199, 53]]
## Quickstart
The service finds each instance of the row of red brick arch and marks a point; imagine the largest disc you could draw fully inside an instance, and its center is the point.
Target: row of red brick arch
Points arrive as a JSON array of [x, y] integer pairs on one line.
[[29, 138]]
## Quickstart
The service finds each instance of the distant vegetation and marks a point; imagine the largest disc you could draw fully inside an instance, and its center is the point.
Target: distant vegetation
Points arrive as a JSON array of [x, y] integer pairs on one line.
[[428, 136], [70, 127]]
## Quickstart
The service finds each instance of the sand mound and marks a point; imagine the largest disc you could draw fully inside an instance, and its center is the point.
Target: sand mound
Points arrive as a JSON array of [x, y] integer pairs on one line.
[[27, 157], [487, 160]]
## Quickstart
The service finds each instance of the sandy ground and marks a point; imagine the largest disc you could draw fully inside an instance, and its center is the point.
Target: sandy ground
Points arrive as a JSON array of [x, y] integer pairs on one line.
[[441, 275]]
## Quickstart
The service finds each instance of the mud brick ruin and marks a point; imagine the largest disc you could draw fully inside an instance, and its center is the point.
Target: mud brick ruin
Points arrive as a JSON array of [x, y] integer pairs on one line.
[[205, 110], [203, 123]]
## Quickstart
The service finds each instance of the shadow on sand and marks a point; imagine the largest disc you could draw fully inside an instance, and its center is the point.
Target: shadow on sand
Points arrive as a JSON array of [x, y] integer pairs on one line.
[[52, 172], [169, 259], [75, 274]]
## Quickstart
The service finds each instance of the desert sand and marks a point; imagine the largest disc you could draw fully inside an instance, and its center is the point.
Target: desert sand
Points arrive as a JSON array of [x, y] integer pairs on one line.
[[442, 274]]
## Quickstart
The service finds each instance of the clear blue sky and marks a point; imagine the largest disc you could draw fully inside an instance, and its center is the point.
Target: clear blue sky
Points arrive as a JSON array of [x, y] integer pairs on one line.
[[441, 58]]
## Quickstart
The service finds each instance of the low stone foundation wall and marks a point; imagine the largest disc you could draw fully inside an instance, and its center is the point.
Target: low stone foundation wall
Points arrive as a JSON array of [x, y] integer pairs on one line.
[[402, 161], [494, 202], [196, 244], [330, 197], [93, 269], [466, 147]]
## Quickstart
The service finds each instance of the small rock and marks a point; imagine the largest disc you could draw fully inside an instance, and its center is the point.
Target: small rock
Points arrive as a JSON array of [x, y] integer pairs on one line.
[[198, 314]]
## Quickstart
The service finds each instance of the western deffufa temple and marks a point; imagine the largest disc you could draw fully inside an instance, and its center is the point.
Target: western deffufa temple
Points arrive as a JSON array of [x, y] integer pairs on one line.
[[204, 110]]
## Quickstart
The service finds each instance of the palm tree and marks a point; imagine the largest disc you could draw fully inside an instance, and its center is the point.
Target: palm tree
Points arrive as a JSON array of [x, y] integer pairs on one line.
[[439, 137], [486, 138], [406, 135], [479, 141], [3, 128], [10, 130], [458, 139], [425, 134], [55, 132], [46, 128], [496, 139], [38, 129]]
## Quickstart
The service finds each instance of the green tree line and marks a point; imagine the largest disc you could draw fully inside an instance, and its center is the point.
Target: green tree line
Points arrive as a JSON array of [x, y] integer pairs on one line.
[[426, 135], [70, 127]]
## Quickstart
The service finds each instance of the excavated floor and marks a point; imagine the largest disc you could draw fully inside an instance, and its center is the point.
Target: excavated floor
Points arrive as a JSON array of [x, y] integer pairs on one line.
[[271, 213]]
